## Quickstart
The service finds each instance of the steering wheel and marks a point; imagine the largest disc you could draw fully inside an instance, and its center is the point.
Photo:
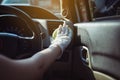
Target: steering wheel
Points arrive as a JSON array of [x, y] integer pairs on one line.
[[18, 33]]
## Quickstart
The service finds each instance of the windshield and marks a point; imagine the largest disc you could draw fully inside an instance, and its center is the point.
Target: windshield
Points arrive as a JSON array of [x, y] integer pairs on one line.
[[15, 2], [52, 5]]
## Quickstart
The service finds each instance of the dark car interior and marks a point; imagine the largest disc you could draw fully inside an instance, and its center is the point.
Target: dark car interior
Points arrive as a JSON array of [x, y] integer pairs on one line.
[[93, 54]]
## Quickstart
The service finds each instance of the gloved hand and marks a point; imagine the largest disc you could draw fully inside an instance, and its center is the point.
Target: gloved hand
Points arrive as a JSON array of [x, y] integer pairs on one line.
[[63, 36]]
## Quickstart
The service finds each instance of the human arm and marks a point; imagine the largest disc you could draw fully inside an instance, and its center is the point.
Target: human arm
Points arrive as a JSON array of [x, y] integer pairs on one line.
[[34, 67], [31, 68]]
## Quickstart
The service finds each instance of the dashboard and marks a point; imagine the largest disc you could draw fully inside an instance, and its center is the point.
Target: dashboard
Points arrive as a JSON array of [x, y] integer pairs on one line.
[[47, 27], [35, 33], [45, 20]]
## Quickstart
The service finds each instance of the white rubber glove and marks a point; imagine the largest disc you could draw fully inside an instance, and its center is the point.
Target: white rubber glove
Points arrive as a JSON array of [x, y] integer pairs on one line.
[[63, 37]]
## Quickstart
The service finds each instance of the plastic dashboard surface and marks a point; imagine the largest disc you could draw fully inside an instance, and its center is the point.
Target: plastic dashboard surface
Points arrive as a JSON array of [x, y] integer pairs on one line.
[[47, 27]]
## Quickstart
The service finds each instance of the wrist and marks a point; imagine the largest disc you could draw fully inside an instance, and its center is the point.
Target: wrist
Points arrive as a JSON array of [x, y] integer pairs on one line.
[[59, 50]]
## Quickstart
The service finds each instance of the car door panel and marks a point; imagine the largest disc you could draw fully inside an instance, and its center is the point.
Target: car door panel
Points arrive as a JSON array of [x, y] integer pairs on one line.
[[103, 41]]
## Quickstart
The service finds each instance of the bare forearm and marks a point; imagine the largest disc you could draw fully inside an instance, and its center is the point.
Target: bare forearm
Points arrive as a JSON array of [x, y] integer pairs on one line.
[[32, 68], [46, 57]]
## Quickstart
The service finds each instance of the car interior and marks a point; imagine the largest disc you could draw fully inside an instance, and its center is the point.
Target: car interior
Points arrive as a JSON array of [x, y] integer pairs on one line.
[[94, 52]]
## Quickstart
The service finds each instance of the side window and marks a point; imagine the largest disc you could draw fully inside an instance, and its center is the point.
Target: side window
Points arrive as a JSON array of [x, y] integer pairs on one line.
[[104, 8]]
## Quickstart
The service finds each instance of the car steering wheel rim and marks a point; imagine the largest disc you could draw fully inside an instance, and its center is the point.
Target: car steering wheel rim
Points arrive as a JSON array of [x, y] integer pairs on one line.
[[35, 35]]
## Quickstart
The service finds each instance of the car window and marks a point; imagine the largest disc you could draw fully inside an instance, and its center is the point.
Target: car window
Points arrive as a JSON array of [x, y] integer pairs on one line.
[[103, 8], [52, 5], [14, 1]]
